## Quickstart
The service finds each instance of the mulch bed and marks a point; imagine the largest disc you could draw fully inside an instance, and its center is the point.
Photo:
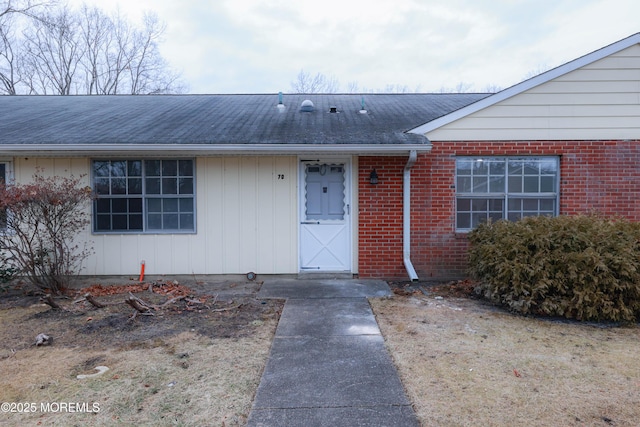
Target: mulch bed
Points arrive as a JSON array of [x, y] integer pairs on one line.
[[453, 289]]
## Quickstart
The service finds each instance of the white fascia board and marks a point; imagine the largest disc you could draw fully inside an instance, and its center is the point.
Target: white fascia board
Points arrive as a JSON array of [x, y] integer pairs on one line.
[[43, 150], [528, 84]]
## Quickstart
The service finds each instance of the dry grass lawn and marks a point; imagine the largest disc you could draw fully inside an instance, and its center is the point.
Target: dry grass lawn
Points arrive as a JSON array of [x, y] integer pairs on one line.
[[196, 365], [464, 363]]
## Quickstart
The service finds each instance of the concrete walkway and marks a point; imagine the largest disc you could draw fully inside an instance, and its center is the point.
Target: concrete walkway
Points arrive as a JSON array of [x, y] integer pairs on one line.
[[328, 364]]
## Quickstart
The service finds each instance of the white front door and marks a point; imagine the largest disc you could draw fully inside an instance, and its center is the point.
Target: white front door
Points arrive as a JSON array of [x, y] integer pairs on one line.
[[325, 230]]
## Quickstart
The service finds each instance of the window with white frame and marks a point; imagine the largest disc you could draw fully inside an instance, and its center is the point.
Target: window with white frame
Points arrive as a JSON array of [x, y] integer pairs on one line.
[[505, 188], [152, 196]]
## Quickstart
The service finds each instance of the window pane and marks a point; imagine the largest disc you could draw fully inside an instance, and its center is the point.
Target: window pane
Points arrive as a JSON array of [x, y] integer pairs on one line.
[[480, 184], [103, 222], [154, 205], [463, 166], [119, 168], [152, 185], [548, 166], [478, 218], [169, 186], [497, 167], [102, 186], [464, 220], [515, 184], [169, 168], [186, 205], [464, 205], [135, 185], [186, 222], [530, 204], [103, 206], [135, 205], [134, 168], [152, 167], [170, 205], [480, 167], [464, 184], [119, 205], [531, 184], [479, 205], [118, 186], [101, 169], [186, 185], [531, 167], [119, 222], [154, 221], [185, 167], [496, 184], [495, 205], [170, 222], [547, 184], [135, 222], [515, 167], [547, 205]]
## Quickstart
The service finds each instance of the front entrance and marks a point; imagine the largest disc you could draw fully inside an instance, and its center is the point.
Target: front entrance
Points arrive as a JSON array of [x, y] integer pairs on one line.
[[325, 211]]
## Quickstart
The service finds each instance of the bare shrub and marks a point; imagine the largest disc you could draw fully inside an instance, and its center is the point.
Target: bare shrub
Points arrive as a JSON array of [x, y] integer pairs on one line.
[[42, 221]]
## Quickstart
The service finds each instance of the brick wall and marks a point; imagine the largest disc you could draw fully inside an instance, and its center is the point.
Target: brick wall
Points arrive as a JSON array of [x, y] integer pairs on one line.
[[601, 176]]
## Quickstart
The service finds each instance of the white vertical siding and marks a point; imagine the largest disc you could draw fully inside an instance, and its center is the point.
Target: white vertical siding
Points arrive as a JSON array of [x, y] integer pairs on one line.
[[598, 101], [246, 221]]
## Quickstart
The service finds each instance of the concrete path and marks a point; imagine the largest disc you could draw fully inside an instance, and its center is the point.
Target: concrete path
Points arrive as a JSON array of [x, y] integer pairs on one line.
[[328, 364]]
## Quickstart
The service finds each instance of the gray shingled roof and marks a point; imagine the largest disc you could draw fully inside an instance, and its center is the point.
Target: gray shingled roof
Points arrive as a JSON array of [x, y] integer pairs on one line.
[[221, 119]]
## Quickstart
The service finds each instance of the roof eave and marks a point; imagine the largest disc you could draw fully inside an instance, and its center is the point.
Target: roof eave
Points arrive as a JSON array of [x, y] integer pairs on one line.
[[87, 150]]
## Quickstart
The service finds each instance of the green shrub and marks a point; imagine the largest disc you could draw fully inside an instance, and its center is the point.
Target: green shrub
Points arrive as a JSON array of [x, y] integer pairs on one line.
[[583, 267]]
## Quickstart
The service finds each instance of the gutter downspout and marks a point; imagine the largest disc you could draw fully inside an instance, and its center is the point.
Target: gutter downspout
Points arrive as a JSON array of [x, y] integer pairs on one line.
[[406, 212]]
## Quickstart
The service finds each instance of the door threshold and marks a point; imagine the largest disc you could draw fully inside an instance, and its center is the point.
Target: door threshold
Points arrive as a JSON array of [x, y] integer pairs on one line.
[[325, 275]]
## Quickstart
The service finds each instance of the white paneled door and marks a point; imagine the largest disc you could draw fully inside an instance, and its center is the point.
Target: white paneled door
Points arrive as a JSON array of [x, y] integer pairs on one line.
[[325, 228]]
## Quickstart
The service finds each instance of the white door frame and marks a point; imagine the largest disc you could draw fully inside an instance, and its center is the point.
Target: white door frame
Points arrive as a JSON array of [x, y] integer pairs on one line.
[[348, 195]]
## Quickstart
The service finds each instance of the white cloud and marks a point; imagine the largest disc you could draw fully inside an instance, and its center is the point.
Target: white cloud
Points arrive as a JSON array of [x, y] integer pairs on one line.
[[240, 46]]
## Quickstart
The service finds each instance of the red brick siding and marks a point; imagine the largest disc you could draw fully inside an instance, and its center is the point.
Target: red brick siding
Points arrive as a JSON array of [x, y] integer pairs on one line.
[[601, 176]]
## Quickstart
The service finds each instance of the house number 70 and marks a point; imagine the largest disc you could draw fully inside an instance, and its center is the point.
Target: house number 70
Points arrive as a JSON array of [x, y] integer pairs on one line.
[[280, 176]]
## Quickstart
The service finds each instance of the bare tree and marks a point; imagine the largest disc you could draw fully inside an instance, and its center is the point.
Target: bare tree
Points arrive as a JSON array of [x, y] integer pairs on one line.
[[10, 10], [83, 51], [148, 71], [53, 52], [306, 83], [100, 62], [8, 61], [24, 7]]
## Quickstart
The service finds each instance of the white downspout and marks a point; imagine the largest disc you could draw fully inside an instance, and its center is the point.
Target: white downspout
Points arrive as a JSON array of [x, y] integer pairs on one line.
[[406, 212]]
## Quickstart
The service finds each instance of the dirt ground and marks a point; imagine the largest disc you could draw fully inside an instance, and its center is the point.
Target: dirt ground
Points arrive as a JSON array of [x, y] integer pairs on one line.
[[464, 362], [196, 361]]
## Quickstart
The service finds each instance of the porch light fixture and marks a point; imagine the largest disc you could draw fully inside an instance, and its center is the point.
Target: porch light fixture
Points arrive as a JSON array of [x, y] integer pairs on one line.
[[373, 177]]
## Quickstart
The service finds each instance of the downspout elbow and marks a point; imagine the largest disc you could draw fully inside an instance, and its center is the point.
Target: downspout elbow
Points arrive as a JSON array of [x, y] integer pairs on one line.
[[406, 223]]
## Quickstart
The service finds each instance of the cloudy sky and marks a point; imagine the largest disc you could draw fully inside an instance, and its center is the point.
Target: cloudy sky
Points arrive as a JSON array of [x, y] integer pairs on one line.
[[259, 46]]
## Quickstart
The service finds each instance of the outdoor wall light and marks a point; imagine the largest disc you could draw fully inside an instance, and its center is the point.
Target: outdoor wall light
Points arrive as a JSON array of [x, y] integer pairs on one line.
[[373, 177]]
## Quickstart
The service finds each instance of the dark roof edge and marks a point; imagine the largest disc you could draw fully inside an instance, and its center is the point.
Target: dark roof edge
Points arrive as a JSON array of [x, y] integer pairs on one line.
[[87, 150]]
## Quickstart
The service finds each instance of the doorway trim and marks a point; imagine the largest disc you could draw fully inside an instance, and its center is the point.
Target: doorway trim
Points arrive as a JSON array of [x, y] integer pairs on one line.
[[348, 223]]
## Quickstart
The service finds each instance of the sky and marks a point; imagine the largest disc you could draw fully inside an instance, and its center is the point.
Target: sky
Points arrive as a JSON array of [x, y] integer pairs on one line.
[[260, 46]]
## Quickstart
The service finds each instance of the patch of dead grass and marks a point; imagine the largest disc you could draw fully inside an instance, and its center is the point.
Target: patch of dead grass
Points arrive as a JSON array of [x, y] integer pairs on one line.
[[179, 367], [185, 380], [464, 363]]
